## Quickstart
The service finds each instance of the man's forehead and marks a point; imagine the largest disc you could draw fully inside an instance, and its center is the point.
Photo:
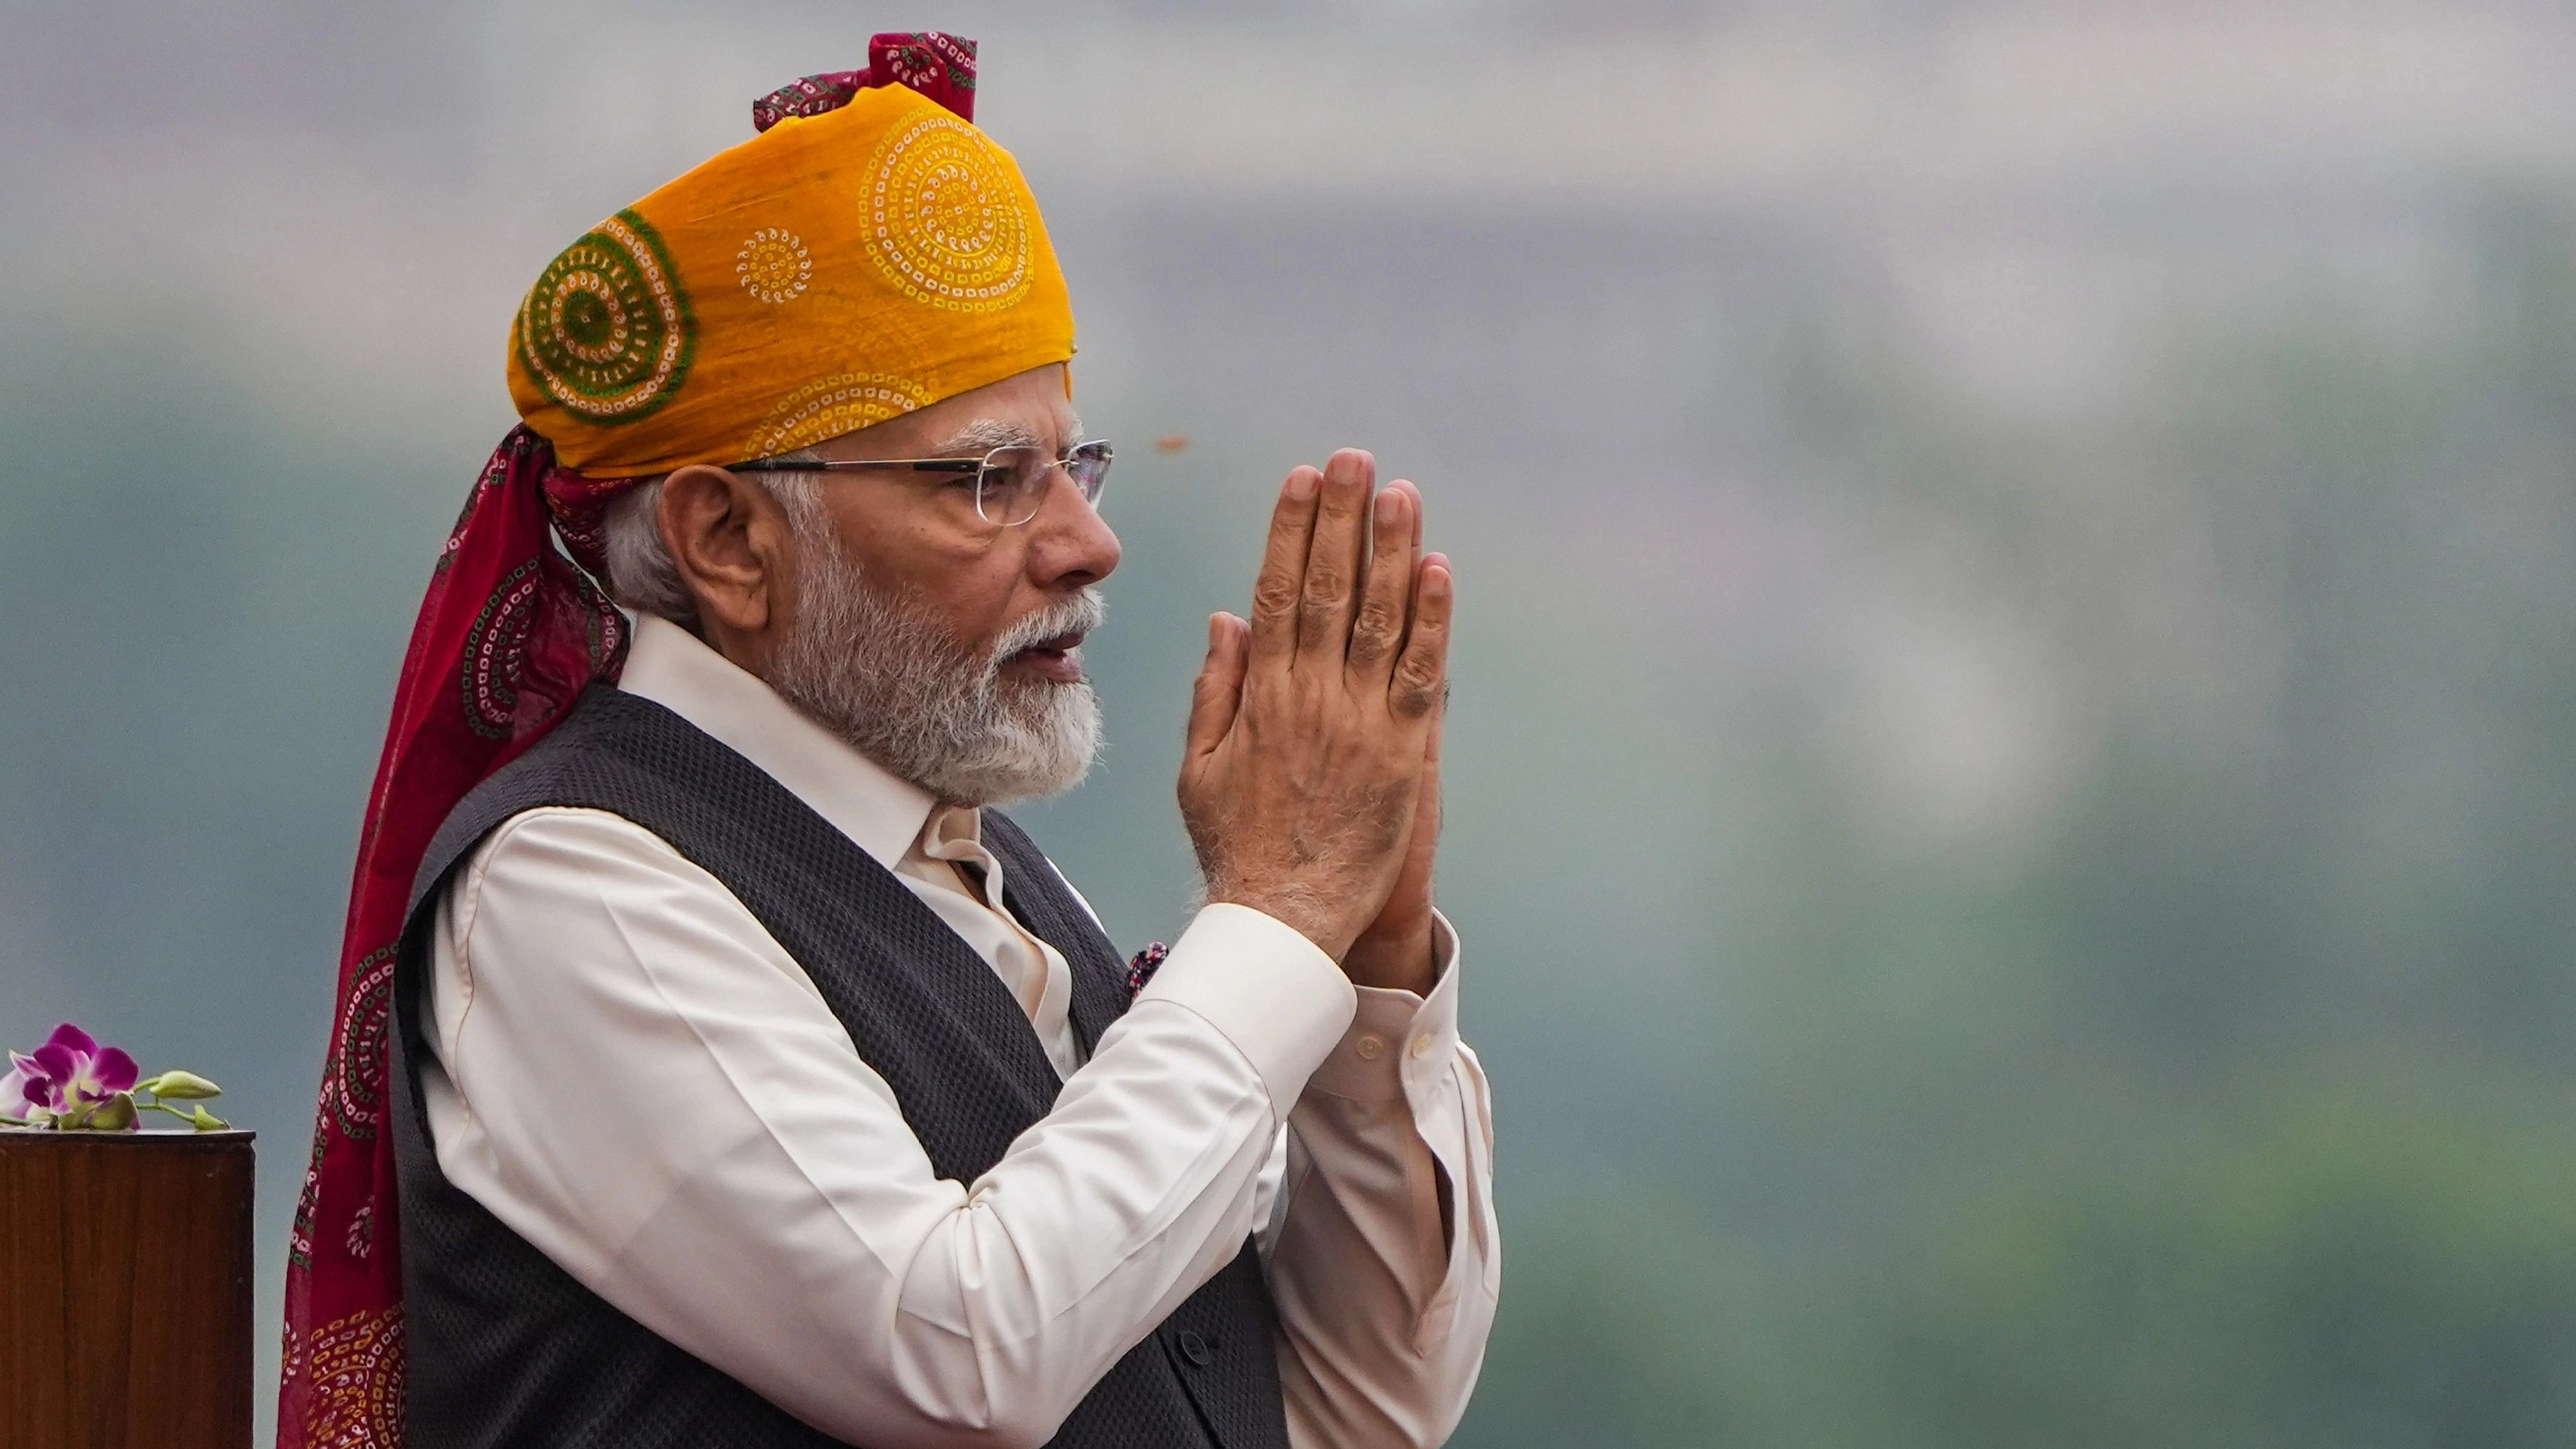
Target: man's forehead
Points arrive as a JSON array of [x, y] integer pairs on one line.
[[1002, 430], [996, 423], [1031, 408]]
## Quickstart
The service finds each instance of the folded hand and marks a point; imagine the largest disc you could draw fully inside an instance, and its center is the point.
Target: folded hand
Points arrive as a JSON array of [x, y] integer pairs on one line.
[[1312, 730]]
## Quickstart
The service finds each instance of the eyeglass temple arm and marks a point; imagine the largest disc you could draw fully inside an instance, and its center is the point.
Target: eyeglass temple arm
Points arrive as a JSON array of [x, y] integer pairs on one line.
[[841, 465]]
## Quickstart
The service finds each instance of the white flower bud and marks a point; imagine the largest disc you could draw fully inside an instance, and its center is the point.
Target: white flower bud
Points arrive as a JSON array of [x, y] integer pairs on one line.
[[178, 1086]]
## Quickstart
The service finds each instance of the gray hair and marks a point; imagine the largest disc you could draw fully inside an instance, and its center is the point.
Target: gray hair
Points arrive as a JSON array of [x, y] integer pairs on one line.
[[641, 575]]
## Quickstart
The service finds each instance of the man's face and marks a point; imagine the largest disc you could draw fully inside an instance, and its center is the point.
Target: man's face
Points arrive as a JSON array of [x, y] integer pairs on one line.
[[917, 536], [941, 642]]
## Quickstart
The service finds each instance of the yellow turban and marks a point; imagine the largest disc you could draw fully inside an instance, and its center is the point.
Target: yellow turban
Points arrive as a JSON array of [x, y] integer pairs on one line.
[[830, 273]]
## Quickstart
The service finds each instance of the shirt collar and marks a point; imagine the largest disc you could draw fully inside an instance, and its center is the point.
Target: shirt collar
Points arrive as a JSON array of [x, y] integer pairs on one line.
[[880, 812]]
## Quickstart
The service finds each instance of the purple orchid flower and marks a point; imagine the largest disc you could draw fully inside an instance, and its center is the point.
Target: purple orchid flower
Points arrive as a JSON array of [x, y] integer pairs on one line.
[[72, 1083], [67, 1079], [16, 1103]]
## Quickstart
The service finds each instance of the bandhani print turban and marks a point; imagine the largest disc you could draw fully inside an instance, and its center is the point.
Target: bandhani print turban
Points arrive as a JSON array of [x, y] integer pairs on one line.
[[869, 252]]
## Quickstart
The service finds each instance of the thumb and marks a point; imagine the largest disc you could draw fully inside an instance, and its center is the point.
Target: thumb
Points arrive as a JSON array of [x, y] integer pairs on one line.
[[1219, 691]]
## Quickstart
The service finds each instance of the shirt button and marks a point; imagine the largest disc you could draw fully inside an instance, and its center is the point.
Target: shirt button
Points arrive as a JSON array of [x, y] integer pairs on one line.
[[1369, 1048], [1194, 1348], [1421, 1047]]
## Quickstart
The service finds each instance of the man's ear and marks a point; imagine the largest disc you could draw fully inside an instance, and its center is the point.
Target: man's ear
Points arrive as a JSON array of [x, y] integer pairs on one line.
[[729, 541]]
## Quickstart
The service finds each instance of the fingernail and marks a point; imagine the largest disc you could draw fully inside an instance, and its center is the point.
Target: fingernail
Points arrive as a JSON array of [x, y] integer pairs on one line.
[[1390, 507], [1301, 486], [1216, 630]]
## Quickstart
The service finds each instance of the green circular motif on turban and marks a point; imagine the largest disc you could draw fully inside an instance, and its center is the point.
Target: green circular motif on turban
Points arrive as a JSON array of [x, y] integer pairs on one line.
[[607, 329]]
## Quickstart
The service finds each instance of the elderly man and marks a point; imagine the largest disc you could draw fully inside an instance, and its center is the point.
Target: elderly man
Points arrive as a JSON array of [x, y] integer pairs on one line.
[[714, 1066]]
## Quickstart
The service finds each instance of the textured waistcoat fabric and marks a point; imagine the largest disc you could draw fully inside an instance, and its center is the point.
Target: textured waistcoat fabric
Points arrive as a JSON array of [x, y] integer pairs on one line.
[[507, 1350]]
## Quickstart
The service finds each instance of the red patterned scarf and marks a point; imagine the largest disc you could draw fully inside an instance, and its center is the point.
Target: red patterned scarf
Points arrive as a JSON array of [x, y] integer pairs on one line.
[[509, 634]]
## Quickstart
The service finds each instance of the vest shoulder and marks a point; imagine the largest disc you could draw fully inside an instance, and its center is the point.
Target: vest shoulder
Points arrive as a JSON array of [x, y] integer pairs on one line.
[[609, 751]]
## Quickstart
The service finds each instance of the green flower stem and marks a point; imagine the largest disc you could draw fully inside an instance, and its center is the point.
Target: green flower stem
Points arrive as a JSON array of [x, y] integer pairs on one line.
[[188, 1117]]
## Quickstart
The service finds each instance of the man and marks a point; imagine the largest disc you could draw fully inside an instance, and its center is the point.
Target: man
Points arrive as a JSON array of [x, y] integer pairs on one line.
[[713, 1066]]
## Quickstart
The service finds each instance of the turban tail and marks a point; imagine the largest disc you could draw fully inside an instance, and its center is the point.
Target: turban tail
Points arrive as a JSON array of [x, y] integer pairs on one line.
[[713, 321]]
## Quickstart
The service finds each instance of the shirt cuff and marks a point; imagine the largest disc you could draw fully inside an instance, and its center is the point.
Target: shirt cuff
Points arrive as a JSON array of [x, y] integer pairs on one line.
[[1395, 1037], [1265, 987]]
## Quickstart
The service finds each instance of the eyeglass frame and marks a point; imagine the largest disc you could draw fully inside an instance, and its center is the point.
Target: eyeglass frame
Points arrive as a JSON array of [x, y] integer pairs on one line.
[[980, 467]]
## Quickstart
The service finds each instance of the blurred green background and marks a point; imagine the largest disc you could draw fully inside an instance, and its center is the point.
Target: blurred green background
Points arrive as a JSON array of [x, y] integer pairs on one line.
[[2013, 786]]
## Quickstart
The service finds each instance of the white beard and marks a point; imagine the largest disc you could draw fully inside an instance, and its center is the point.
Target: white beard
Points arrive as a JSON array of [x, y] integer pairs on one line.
[[884, 673]]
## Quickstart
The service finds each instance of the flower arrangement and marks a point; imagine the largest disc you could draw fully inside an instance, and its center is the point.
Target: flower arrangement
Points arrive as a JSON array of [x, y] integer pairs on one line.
[[71, 1084]]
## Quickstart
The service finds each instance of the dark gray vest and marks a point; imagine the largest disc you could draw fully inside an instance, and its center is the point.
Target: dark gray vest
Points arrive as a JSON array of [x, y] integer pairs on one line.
[[507, 1351]]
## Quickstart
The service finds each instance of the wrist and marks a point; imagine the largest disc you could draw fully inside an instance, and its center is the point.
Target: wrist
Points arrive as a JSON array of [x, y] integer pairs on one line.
[[1297, 910], [1406, 960]]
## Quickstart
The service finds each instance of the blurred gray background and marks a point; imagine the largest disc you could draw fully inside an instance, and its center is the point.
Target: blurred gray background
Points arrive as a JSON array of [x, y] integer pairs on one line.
[[2014, 758]]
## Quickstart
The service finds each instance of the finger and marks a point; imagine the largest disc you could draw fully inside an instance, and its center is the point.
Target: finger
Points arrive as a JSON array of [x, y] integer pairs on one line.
[[1408, 486], [1219, 691], [1426, 809], [1333, 560], [1425, 838], [1282, 579], [1422, 671], [1377, 630], [1439, 727]]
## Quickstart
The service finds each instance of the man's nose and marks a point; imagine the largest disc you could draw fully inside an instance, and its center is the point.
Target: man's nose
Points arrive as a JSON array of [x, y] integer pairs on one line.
[[1070, 544]]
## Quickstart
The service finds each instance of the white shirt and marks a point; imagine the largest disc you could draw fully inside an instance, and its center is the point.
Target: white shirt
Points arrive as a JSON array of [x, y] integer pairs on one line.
[[633, 1075]]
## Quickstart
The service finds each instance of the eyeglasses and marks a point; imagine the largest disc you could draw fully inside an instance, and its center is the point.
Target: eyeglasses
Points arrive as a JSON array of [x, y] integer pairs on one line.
[[1009, 482]]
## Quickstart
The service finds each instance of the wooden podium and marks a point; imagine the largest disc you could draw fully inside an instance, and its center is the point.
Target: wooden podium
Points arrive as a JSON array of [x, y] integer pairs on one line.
[[125, 1270]]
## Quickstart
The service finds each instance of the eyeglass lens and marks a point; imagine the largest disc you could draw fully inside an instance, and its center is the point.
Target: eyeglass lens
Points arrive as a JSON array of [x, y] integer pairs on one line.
[[1013, 482]]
